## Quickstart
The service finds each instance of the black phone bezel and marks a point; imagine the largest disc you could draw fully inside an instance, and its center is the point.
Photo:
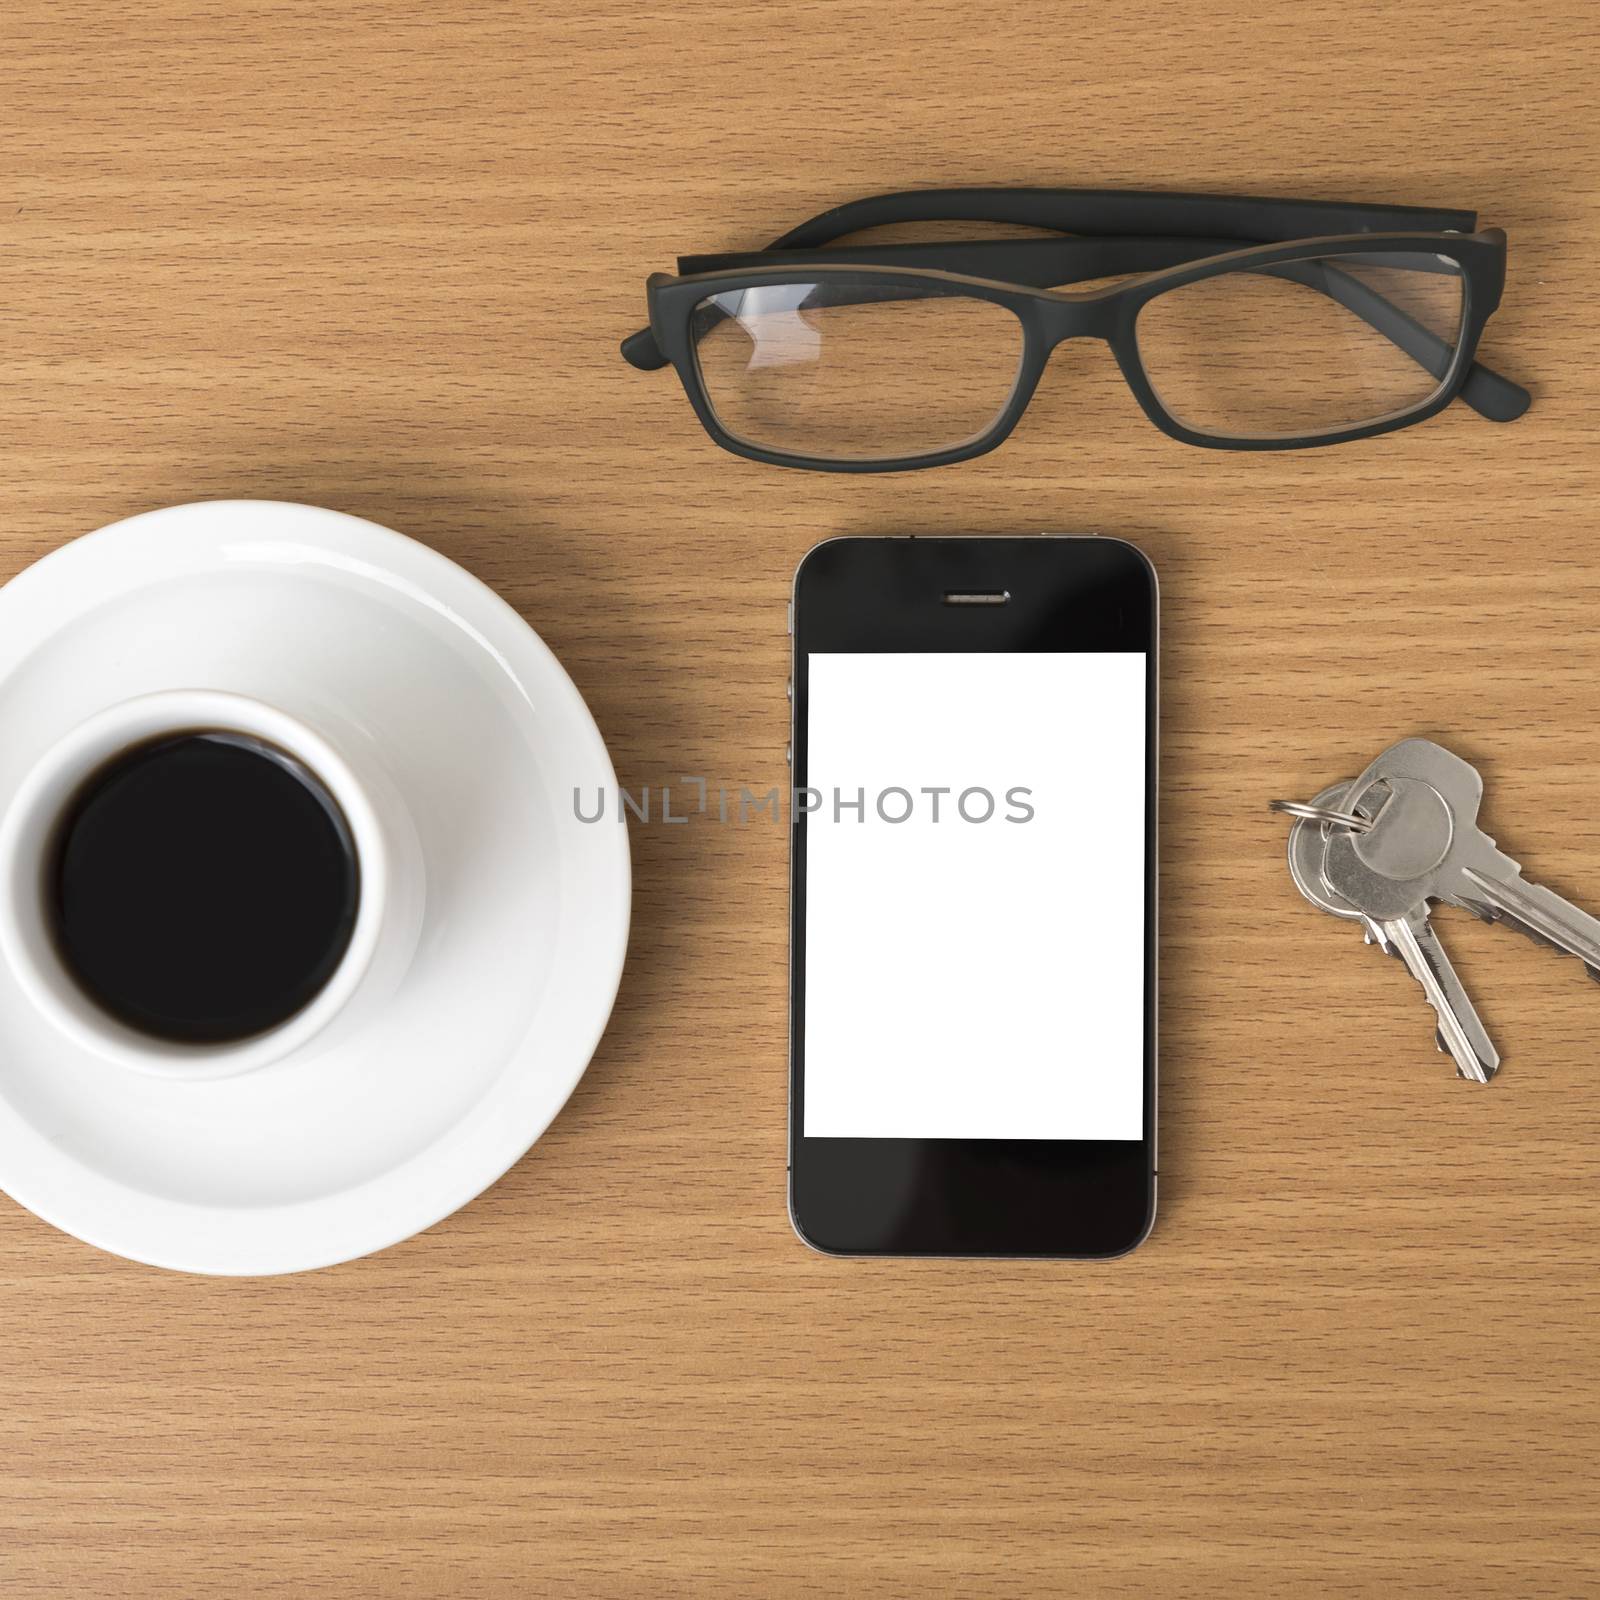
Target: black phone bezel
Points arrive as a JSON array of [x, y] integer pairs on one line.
[[981, 1197]]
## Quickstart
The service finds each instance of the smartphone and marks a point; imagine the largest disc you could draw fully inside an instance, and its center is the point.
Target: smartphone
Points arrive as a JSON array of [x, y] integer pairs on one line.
[[973, 849]]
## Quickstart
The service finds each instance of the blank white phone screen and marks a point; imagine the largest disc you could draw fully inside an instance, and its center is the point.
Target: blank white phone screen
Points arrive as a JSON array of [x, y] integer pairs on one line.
[[975, 970]]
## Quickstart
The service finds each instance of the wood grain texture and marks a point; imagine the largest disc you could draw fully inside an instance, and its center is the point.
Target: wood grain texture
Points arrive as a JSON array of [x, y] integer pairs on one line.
[[378, 257]]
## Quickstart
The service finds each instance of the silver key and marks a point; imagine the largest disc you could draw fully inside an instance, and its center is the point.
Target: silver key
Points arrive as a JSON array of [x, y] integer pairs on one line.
[[1411, 938], [1425, 844]]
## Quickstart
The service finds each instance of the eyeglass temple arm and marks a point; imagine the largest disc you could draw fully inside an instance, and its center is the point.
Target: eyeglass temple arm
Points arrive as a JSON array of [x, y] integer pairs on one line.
[[1054, 263], [1245, 218]]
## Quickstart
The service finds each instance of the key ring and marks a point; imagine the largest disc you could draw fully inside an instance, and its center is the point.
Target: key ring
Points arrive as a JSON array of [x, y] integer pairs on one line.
[[1324, 814]]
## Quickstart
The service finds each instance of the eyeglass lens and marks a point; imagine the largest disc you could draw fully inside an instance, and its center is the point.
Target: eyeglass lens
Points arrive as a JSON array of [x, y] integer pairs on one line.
[[1304, 347], [856, 372]]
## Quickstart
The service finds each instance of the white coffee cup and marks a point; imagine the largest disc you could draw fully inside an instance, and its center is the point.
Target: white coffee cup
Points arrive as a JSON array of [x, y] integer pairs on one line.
[[388, 917]]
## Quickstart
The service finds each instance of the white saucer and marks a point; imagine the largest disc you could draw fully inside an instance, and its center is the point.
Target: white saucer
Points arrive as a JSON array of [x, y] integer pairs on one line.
[[379, 643]]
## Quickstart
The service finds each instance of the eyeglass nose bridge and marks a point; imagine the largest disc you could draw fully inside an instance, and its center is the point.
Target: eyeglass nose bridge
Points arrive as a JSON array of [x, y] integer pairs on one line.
[[1059, 320]]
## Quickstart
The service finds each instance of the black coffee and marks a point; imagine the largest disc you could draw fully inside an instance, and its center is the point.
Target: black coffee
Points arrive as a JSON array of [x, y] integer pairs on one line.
[[203, 886]]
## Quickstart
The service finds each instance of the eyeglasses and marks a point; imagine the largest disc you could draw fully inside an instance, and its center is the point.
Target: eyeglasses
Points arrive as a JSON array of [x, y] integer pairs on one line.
[[1249, 324]]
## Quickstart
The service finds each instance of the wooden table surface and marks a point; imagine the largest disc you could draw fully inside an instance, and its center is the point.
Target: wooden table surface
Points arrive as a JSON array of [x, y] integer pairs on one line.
[[378, 257]]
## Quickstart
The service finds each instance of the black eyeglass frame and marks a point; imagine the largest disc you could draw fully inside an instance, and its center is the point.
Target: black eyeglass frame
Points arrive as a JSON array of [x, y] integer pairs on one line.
[[1049, 316]]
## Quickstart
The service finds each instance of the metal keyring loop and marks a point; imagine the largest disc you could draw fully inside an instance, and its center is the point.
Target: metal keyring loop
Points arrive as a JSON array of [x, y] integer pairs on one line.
[[1324, 814]]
